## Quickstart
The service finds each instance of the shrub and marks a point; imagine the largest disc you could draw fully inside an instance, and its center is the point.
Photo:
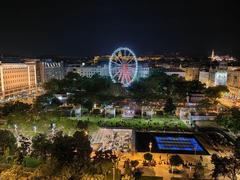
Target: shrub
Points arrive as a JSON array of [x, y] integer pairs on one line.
[[31, 162]]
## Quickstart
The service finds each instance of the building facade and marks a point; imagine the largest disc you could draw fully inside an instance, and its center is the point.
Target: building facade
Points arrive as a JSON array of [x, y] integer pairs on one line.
[[143, 71], [218, 76], [48, 70], [173, 71], [204, 77], [87, 71], [102, 70], [191, 73], [233, 82], [17, 78]]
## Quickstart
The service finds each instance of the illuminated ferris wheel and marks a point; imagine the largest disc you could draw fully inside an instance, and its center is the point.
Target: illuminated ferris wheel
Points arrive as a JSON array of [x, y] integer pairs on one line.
[[123, 66]]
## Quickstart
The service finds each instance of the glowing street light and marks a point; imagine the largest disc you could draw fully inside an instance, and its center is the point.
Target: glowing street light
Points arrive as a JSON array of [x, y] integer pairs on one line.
[[15, 127], [150, 146], [35, 128], [53, 128]]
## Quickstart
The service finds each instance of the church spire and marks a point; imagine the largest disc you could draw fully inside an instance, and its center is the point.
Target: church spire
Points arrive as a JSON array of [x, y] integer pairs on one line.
[[213, 55]]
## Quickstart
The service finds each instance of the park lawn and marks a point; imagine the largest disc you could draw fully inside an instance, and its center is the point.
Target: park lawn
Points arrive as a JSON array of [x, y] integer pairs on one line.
[[68, 125], [157, 123], [25, 124], [31, 162]]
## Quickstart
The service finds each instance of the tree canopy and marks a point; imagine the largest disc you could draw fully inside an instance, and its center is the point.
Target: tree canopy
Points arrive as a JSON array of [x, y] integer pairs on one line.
[[17, 106], [148, 157], [162, 86], [47, 100], [225, 166], [176, 160], [215, 92], [7, 140], [169, 107], [97, 89], [86, 91], [230, 119], [41, 146]]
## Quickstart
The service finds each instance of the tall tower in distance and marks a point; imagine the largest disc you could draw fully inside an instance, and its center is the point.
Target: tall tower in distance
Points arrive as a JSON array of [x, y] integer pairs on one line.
[[212, 57]]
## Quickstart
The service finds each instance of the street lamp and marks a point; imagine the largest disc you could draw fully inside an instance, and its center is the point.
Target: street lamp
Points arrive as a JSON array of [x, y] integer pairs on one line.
[[150, 146], [53, 128], [168, 159], [114, 172], [190, 170], [35, 128], [15, 127], [114, 166]]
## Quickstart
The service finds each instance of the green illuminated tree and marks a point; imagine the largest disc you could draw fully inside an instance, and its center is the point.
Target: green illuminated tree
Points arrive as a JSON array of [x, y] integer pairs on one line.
[[7, 140], [230, 119]]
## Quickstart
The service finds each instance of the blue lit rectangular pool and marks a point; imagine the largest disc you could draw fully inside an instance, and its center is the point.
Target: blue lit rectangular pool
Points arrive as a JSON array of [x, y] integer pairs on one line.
[[169, 143]]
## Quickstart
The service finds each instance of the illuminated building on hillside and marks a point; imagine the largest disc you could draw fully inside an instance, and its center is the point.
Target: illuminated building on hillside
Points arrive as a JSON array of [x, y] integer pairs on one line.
[[218, 76], [233, 82], [204, 77], [17, 78], [214, 57], [191, 73]]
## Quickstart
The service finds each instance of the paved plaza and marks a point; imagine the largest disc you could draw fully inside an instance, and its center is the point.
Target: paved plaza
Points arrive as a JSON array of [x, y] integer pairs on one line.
[[112, 139], [122, 142]]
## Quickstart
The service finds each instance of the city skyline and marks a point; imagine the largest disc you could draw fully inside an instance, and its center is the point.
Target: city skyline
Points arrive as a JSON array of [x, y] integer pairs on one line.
[[97, 28], [119, 90]]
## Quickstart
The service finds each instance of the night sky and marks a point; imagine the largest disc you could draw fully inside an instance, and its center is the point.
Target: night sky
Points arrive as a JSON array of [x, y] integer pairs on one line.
[[77, 28]]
